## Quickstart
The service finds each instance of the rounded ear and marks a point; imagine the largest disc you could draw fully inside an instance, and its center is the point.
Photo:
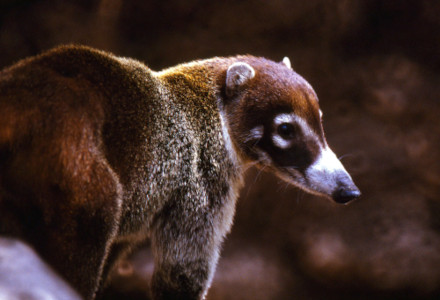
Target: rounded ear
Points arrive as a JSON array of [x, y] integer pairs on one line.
[[286, 62], [238, 74]]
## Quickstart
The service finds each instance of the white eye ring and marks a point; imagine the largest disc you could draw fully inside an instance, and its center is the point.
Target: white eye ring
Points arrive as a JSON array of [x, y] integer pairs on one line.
[[281, 142], [277, 138], [296, 121], [283, 118]]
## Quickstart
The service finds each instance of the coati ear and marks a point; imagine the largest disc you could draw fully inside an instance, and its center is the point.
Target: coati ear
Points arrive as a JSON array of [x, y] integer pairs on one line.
[[286, 62], [237, 75]]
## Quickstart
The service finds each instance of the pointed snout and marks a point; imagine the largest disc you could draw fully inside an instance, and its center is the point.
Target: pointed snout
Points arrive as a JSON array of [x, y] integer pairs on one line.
[[346, 190], [344, 195], [327, 176]]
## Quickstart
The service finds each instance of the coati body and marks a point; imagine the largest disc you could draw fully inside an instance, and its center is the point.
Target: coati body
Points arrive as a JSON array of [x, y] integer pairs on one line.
[[98, 152]]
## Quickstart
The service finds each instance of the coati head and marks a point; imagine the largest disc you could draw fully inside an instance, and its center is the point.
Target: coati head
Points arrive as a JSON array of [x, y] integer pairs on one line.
[[275, 122]]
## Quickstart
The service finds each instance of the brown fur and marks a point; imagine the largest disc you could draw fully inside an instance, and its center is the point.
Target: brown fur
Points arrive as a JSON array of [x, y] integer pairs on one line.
[[98, 152]]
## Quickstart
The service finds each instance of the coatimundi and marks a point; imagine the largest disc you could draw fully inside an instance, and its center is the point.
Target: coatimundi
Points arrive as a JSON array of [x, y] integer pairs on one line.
[[98, 153]]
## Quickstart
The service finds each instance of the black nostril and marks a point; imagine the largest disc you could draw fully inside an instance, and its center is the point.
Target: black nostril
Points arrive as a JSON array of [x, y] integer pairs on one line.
[[343, 195]]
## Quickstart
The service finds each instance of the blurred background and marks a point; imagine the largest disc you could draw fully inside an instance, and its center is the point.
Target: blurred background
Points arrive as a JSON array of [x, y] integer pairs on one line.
[[375, 66]]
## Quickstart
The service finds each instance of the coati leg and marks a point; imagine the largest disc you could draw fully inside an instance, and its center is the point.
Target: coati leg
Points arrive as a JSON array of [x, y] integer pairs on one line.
[[185, 252], [75, 237], [80, 255], [72, 237], [86, 249]]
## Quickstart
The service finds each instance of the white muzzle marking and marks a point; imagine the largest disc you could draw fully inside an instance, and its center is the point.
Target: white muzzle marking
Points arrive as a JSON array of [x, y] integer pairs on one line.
[[323, 174]]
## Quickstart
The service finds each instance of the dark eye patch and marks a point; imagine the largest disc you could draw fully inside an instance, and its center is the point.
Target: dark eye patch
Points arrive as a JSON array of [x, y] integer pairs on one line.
[[286, 131]]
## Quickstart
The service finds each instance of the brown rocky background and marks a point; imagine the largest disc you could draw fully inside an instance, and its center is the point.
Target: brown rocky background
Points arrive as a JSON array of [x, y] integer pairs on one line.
[[375, 66]]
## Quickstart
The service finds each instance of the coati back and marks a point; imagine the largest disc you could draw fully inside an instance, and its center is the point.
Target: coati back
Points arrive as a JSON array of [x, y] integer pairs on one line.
[[99, 152]]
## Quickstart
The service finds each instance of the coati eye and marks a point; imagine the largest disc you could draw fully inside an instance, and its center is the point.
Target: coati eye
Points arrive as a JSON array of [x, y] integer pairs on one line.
[[286, 131]]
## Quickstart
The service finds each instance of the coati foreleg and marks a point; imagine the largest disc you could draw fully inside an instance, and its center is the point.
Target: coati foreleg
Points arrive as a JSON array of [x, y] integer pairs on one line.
[[81, 233], [185, 252]]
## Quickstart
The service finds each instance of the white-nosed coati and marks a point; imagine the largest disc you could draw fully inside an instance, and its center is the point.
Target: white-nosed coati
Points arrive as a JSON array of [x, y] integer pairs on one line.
[[98, 152]]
